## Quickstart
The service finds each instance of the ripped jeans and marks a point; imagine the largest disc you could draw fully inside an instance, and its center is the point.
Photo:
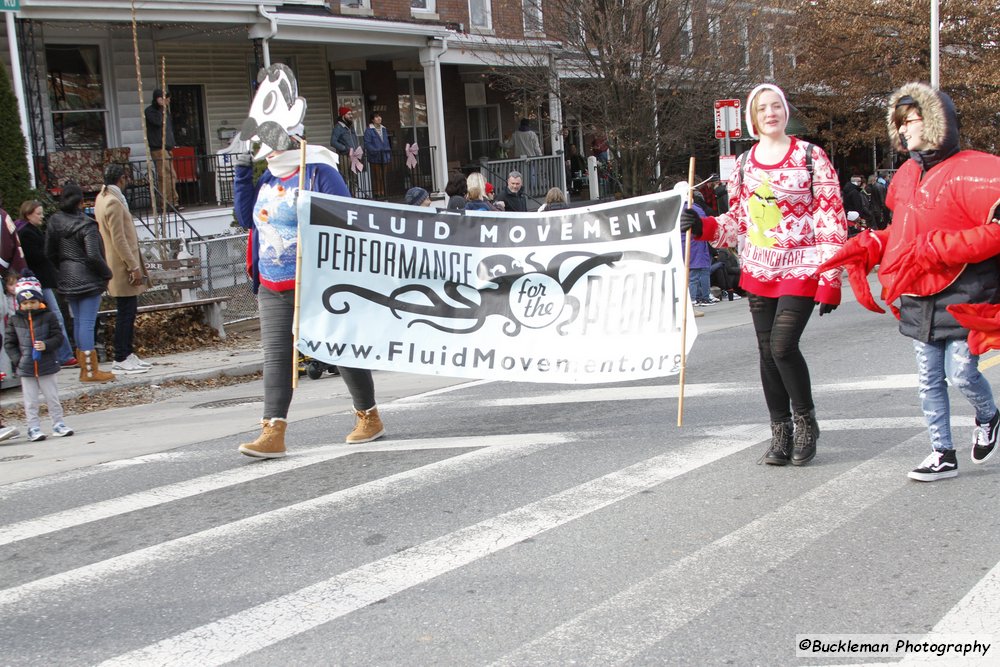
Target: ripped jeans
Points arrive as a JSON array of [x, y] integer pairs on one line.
[[938, 363]]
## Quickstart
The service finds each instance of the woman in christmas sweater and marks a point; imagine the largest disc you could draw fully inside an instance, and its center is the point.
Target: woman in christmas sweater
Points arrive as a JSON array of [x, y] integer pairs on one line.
[[786, 214], [938, 259]]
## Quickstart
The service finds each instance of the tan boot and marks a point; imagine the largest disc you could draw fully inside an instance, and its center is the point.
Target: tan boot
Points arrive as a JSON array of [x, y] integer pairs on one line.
[[367, 428], [90, 370], [270, 444]]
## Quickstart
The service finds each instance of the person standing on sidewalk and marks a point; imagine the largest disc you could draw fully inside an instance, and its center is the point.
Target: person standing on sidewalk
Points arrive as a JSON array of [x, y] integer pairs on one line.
[[32, 237], [129, 278], [268, 210], [31, 338], [939, 254], [787, 214], [73, 244]]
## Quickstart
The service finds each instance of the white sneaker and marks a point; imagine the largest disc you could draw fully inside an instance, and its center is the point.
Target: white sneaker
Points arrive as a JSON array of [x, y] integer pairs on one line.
[[144, 364], [35, 435], [128, 367], [8, 432], [60, 430]]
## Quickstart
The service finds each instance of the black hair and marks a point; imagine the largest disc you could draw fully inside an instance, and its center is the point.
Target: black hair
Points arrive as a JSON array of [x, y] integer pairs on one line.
[[70, 198], [371, 116], [457, 185], [113, 173]]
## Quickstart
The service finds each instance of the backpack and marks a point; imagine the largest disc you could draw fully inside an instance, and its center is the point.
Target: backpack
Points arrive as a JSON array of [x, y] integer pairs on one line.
[[809, 167]]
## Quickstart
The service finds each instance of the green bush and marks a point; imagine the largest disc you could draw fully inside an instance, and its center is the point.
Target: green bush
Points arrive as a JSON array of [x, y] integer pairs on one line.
[[15, 186]]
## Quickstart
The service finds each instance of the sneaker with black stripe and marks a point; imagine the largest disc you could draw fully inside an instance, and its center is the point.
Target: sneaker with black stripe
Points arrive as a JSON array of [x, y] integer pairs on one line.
[[984, 439], [941, 464]]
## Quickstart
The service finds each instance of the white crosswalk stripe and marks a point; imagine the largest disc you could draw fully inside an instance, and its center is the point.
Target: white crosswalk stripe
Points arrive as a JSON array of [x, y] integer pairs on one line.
[[295, 613]]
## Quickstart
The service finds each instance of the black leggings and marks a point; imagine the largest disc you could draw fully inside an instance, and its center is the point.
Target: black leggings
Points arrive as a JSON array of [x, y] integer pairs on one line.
[[779, 324]]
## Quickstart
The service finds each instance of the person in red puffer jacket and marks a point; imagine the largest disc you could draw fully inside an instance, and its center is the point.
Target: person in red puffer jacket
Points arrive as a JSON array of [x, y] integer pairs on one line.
[[937, 260]]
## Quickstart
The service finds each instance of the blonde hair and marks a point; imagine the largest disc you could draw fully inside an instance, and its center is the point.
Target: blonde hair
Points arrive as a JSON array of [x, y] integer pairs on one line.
[[554, 195], [477, 186]]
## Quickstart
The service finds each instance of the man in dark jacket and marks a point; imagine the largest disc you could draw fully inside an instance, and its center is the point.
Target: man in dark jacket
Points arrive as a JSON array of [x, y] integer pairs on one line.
[[855, 202], [512, 194], [160, 135]]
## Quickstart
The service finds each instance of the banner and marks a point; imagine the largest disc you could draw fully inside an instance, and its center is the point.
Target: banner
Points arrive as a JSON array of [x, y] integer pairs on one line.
[[583, 295]]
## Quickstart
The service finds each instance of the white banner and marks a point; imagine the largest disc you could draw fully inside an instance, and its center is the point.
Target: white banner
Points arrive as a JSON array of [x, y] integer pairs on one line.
[[583, 295]]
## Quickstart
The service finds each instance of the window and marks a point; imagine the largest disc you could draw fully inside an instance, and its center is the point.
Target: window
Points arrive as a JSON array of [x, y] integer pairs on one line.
[[355, 6], [76, 96], [481, 14], [715, 33], [484, 132], [686, 37], [533, 17], [745, 41], [412, 104], [423, 6]]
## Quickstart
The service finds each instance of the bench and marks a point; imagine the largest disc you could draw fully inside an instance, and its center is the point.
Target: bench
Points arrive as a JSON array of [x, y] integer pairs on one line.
[[175, 278]]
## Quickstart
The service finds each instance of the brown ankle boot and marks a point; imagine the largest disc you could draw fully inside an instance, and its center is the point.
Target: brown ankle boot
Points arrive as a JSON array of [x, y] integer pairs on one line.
[[367, 428], [270, 444], [90, 370]]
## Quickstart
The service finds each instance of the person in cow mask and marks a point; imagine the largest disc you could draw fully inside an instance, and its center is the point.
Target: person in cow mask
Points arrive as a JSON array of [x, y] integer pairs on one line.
[[268, 211]]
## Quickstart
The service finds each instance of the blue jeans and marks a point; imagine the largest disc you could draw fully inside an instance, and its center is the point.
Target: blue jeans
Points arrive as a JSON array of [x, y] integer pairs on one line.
[[84, 311], [698, 281], [52, 303], [938, 363]]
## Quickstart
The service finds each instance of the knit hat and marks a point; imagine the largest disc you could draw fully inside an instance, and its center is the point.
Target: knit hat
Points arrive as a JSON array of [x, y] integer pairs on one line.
[[343, 111], [27, 287], [489, 188], [750, 111], [415, 196]]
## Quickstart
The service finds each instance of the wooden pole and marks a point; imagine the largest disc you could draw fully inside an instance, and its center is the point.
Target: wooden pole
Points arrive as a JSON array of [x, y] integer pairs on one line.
[[298, 270], [163, 144], [687, 300], [145, 136]]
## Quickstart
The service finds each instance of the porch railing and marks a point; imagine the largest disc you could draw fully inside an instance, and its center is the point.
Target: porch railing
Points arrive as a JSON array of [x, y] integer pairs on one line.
[[391, 180], [538, 174]]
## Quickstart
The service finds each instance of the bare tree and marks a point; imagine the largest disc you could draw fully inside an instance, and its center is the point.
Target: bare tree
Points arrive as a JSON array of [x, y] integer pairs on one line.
[[644, 74], [856, 52]]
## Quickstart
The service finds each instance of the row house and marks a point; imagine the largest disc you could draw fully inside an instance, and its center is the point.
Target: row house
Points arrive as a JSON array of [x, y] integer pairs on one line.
[[78, 68]]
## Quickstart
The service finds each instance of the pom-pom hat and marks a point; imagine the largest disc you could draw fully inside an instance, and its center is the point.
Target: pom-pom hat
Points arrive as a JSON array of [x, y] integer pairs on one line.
[[27, 287]]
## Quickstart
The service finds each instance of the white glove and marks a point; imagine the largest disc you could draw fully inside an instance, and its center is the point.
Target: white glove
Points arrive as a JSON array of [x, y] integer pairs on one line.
[[853, 216], [243, 160]]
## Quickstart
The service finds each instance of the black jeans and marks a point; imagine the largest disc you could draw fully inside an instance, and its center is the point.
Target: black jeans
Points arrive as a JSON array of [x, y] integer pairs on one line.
[[779, 324], [125, 325]]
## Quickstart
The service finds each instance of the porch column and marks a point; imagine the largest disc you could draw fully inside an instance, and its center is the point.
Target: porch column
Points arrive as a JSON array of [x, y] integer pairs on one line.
[[22, 99], [430, 60], [556, 119]]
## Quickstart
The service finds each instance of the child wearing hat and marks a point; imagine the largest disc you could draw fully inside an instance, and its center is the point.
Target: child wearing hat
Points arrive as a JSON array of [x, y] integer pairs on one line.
[[31, 339]]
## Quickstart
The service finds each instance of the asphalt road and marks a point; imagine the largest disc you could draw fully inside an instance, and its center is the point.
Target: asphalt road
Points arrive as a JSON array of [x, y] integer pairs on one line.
[[513, 524]]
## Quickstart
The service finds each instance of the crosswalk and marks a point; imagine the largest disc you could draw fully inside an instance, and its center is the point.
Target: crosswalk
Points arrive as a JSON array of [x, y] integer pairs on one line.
[[326, 554]]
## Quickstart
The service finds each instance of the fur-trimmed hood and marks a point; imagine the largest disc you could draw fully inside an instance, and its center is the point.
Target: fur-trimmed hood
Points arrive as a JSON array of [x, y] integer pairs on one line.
[[940, 128]]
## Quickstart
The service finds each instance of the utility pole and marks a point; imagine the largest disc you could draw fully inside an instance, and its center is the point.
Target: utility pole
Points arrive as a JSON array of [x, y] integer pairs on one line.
[[935, 45]]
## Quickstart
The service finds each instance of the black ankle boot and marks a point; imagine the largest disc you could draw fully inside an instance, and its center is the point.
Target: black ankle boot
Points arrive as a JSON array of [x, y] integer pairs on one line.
[[804, 440], [780, 451]]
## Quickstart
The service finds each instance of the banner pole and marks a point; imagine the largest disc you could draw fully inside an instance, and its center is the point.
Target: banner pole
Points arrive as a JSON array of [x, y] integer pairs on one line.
[[298, 269], [687, 299]]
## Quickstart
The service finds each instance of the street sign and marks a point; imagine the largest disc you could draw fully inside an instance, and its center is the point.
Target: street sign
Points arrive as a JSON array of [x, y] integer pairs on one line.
[[727, 119], [10, 5]]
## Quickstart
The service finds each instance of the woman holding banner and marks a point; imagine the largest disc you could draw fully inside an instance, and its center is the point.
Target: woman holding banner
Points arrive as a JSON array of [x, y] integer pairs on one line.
[[268, 210], [786, 212]]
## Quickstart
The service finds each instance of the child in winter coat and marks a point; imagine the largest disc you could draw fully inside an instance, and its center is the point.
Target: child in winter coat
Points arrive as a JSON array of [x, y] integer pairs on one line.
[[32, 338]]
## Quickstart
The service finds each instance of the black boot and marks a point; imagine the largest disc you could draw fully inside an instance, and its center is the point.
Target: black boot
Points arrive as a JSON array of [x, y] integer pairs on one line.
[[780, 451], [804, 440]]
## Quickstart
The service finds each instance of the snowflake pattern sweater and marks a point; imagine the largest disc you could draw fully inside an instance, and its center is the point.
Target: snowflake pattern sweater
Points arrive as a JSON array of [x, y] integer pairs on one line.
[[784, 226]]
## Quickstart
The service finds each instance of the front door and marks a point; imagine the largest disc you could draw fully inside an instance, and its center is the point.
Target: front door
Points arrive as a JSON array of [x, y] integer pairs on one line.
[[187, 109]]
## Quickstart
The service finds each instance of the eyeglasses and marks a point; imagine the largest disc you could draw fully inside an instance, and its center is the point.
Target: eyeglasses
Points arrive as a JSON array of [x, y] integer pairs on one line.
[[906, 123]]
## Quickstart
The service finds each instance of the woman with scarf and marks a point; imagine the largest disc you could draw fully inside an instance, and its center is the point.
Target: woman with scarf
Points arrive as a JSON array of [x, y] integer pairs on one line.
[[938, 260]]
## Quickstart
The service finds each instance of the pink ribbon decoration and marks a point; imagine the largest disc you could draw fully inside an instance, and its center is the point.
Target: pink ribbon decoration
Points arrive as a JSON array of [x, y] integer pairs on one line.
[[411, 155], [356, 154]]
